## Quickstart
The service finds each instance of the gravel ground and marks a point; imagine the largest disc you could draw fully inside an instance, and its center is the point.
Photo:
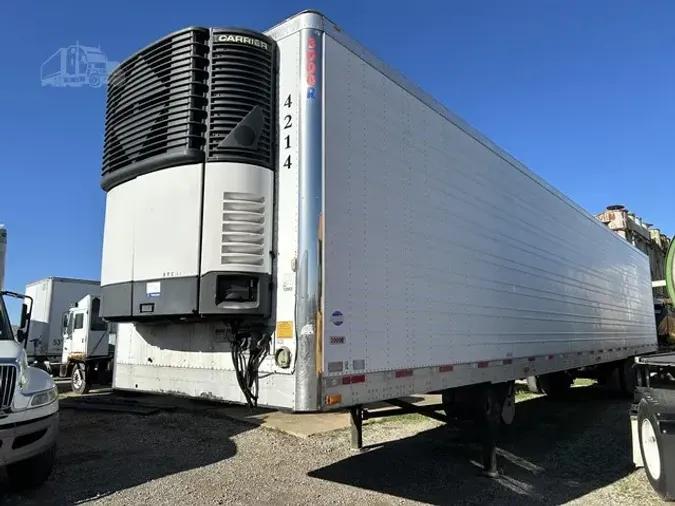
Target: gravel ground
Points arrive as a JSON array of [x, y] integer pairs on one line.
[[555, 453]]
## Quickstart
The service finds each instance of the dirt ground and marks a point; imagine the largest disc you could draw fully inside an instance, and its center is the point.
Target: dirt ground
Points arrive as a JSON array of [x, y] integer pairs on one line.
[[571, 452]]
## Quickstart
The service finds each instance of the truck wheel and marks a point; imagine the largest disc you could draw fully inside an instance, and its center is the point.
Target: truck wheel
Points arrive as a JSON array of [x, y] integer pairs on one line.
[[33, 472], [555, 384], [95, 80], [651, 448], [79, 381]]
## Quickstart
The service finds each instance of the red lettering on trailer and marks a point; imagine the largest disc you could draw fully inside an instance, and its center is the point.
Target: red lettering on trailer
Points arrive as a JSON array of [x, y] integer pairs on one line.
[[404, 373], [550, 357], [446, 368], [483, 365], [310, 54]]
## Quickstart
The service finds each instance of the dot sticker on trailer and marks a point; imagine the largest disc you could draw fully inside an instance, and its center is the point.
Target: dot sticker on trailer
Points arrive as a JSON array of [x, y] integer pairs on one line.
[[337, 318]]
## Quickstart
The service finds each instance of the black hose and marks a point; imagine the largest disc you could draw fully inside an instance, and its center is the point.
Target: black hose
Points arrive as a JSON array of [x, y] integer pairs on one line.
[[245, 370]]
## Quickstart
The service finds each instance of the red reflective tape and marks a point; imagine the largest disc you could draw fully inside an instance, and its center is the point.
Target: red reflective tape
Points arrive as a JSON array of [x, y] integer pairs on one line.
[[507, 361], [531, 359], [526, 370], [446, 368], [351, 380], [483, 365], [404, 373]]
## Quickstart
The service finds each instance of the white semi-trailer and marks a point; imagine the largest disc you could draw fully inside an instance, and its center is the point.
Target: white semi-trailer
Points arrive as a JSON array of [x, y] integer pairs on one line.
[[290, 221]]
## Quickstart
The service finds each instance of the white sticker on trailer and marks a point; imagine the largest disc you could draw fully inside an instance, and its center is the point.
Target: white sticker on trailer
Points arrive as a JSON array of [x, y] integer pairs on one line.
[[153, 289], [289, 282]]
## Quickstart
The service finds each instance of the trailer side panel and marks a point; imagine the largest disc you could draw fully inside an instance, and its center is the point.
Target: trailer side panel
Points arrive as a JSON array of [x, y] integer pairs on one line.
[[442, 254]]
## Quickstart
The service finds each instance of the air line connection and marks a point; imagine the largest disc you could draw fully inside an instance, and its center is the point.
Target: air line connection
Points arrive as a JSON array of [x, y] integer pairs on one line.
[[249, 349]]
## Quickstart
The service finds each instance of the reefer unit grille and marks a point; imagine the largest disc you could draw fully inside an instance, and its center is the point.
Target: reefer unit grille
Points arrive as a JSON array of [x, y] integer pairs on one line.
[[243, 239], [7, 385], [242, 98], [156, 108]]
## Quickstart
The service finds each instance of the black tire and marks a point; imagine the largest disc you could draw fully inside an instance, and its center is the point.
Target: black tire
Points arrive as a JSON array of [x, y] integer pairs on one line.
[[627, 377], [80, 383], [556, 385], [533, 385], [657, 473], [31, 473]]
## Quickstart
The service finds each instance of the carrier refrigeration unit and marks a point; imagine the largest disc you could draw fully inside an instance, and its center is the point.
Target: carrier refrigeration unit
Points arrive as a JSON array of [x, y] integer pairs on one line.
[[291, 221]]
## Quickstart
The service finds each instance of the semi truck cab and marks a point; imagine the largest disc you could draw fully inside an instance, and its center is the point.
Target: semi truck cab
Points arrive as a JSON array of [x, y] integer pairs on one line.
[[88, 345], [29, 407]]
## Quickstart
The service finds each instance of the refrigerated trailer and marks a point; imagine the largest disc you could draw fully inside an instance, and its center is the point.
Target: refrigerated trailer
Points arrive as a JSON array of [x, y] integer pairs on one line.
[[290, 221], [52, 298]]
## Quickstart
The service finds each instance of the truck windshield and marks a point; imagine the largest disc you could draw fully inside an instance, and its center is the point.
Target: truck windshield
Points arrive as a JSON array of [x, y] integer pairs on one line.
[[5, 326]]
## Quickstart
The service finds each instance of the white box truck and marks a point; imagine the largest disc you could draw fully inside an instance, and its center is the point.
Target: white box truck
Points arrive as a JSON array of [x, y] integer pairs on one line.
[[290, 221], [52, 298]]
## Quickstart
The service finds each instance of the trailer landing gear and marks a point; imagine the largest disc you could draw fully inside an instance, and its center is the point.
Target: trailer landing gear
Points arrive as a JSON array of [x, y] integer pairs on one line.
[[488, 406]]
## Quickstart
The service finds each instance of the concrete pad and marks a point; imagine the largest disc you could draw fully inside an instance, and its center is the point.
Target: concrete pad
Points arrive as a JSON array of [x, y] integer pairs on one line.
[[311, 424]]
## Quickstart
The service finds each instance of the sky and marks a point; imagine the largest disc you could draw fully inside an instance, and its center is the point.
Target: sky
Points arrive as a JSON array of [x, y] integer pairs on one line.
[[581, 92]]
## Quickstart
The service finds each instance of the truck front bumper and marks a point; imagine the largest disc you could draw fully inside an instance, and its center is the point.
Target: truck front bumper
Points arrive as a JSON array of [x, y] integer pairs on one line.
[[25, 439]]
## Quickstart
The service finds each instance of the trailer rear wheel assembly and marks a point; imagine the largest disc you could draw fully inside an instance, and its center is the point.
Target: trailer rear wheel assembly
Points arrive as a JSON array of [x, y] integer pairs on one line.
[[651, 448]]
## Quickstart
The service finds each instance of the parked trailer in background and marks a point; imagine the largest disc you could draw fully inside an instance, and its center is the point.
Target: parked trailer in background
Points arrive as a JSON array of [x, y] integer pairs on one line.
[[52, 298], [314, 232]]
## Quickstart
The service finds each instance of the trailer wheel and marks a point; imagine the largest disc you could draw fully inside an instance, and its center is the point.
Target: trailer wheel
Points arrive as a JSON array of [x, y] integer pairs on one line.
[[80, 383], [651, 448], [556, 384], [627, 377]]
